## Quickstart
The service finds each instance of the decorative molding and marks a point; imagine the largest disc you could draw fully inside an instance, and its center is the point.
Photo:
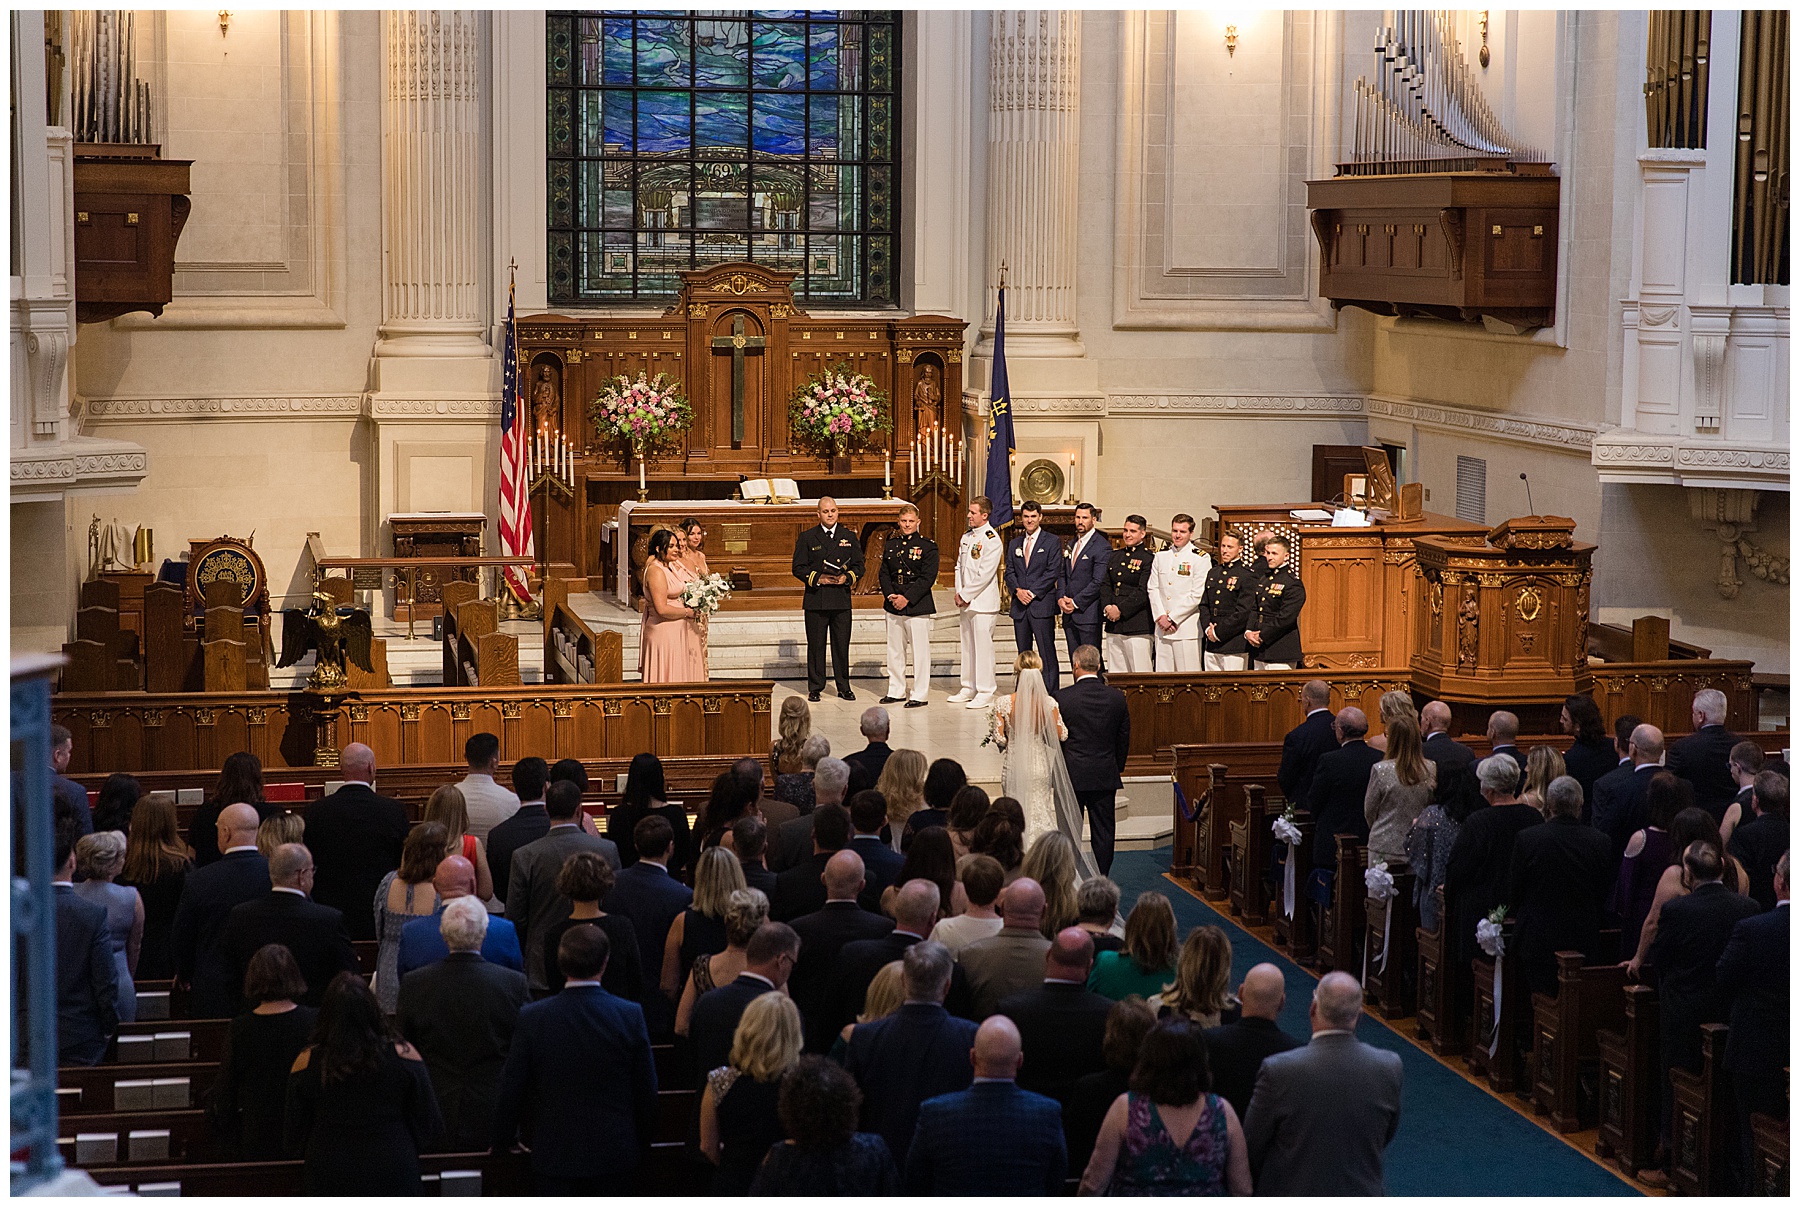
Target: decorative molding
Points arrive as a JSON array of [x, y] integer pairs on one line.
[[1070, 405], [1624, 455], [1260, 405], [1534, 430], [415, 408], [141, 410], [51, 470]]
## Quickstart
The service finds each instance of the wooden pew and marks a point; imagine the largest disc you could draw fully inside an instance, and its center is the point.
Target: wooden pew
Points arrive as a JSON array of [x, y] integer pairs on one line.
[[1501, 1067], [1296, 934], [1251, 846], [573, 652], [1630, 1093], [1217, 798], [1566, 1038], [168, 1040], [491, 1174], [1391, 987], [454, 594], [1703, 1121], [138, 1138], [96, 1090], [1440, 1019], [1340, 921], [485, 657], [1768, 1156]]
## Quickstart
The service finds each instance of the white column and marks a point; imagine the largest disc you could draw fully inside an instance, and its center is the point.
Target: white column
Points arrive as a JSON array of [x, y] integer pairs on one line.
[[1034, 152], [432, 200]]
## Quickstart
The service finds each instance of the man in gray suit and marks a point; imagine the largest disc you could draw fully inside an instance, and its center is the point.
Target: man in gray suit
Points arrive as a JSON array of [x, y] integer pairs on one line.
[[1013, 960], [532, 902], [1322, 1115]]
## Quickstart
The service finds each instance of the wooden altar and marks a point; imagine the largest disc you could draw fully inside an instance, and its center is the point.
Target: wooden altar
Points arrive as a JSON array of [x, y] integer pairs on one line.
[[741, 347]]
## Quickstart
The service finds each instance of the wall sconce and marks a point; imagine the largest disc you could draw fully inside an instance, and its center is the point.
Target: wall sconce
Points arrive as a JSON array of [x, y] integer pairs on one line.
[[224, 21], [1231, 41]]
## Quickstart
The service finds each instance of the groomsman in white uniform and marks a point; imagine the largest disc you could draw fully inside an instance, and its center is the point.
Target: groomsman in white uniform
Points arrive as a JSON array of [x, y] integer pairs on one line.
[[1177, 579], [978, 595]]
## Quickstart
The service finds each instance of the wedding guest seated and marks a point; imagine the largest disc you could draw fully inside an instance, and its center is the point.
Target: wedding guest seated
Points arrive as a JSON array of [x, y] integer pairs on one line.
[[422, 940], [1092, 1096], [646, 796], [246, 1106], [1146, 966], [587, 880], [700, 930], [980, 878], [745, 910], [1237, 1050], [824, 1154], [750, 841], [1202, 988], [740, 1108], [942, 782], [1762, 840], [1097, 912], [1013, 959], [931, 857], [1562, 872], [1051, 862], [1062, 1021], [993, 1138]]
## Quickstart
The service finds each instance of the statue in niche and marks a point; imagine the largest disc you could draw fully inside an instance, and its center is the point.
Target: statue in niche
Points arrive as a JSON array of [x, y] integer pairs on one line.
[[546, 400], [928, 395], [1468, 628]]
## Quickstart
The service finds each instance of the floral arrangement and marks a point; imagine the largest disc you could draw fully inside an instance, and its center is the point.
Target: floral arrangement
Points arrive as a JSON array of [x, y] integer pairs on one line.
[[993, 737], [1379, 881], [706, 595], [642, 415], [1489, 934], [838, 411], [1285, 828]]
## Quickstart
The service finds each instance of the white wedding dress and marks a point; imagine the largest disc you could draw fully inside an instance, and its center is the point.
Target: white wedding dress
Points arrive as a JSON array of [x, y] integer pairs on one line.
[[1032, 732]]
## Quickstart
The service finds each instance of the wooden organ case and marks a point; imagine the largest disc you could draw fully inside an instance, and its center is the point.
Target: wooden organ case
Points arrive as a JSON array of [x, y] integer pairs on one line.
[[740, 346]]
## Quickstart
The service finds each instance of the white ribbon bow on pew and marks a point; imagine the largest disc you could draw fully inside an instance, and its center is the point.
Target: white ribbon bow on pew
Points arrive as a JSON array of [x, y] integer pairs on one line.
[[1286, 831], [1381, 888], [1489, 937]]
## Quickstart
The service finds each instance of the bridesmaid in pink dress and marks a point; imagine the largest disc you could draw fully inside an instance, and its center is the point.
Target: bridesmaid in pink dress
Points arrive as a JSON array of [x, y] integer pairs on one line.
[[669, 649]]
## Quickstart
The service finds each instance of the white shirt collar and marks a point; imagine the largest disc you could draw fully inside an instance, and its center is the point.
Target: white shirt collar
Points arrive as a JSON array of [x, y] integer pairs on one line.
[[581, 984], [369, 784], [1333, 1031], [651, 863], [71, 884], [249, 846], [993, 1081], [282, 888], [1318, 710], [758, 976], [1057, 980]]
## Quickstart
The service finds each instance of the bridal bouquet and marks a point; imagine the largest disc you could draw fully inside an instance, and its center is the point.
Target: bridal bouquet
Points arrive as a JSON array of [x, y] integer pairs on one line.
[[838, 411], [706, 595], [643, 415], [993, 729]]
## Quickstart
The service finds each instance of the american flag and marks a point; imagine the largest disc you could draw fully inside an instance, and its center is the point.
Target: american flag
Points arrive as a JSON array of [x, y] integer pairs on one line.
[[515, 470]]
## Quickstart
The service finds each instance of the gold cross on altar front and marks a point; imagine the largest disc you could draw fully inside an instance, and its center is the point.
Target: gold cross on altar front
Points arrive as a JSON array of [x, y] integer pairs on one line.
[[737, 343]]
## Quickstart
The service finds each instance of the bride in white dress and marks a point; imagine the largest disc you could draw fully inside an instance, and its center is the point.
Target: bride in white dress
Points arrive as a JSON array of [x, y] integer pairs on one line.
[[1029, 728]]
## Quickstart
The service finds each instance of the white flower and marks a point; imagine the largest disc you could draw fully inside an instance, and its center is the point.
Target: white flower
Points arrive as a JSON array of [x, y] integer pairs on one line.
[[1379, 883], [1285, 831], [1489, 937]]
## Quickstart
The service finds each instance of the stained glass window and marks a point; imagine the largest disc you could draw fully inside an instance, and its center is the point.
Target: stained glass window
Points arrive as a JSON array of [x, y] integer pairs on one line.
[[682, 139]]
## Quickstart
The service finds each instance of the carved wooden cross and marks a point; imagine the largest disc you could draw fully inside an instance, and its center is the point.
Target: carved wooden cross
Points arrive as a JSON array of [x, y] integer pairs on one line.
[[737, 343]]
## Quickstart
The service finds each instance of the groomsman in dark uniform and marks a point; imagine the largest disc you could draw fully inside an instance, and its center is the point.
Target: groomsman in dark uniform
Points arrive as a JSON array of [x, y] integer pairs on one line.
[[1273, 632], [828, 559], [1087, 559], [1225, 607], [909, 567], [1125, 601], [1034, 570]]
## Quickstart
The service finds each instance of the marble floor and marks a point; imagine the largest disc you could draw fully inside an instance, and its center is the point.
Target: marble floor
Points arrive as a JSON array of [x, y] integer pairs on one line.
[[941, 730]]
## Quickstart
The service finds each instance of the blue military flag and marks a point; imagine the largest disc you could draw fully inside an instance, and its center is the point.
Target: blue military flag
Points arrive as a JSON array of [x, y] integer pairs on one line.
[[1000, 428]]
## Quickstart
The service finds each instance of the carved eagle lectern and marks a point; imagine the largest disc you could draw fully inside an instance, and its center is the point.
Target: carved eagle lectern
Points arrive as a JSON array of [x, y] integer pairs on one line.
[[335, 632]]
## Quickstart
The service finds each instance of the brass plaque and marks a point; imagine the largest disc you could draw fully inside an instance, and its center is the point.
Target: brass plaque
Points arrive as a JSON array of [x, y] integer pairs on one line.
[[736, 537], [365, 578], [1042, 481]]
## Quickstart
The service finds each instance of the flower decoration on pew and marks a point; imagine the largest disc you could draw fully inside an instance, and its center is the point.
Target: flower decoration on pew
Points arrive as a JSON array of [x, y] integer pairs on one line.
[[1489, 933], [646, 415], [838, 412], [1380, 882]]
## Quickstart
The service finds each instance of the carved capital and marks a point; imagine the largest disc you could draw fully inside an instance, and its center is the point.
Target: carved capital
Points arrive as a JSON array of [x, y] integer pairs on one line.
[[510, 710], [409, 712], [562, 709], [459, 712]]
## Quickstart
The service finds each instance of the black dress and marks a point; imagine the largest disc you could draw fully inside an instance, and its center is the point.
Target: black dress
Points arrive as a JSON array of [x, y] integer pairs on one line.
[[249, 1098], [624, 975], [862, 1166], [156, 960], [701, 935], [363, 1135], [621, 821], [748, 1125]]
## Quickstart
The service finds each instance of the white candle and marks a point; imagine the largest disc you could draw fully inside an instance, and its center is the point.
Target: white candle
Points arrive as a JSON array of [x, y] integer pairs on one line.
[[887, 474], [641, 485]]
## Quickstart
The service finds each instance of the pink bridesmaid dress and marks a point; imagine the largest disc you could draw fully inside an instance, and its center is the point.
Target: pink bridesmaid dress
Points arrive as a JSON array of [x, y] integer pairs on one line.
[[669, 650]]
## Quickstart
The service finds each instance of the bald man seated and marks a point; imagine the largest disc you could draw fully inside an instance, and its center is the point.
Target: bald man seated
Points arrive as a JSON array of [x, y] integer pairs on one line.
[[197, 937], [1237, 1050], [355, 836], [314, 934], [992, 1138]]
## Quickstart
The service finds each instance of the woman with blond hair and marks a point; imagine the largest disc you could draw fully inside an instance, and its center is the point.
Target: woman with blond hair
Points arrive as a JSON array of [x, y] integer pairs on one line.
[[99, 858], [792, 728], [902, 783], [1202, 988], [1400, 787], [738, 1116], [1542, 765], [1147, 965], [1051, 862], [278, 829], [156, 865], [448, 808], [700, 929], [884, 996], [1393, 706], [745, 910]]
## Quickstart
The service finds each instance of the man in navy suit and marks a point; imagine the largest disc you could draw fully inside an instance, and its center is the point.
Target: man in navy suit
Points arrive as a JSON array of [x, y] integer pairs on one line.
[[355, 836], [823, 934], [580, 1079], [240, 874], [1098, 744], [1448, 753], [881, 863], [1339, 784], [1084, 571], [1752, 980], [1609, 783], [992, 1138], [86, 977], [769, 960], [918, 1052], [652, 899], [1703, 758], [313, 933], [915, 913], [1061, 1021], [1306, 742], [1762, 839], [1035, 571], [800, 887], [1622, 805], [422, 942], [1503, 738]]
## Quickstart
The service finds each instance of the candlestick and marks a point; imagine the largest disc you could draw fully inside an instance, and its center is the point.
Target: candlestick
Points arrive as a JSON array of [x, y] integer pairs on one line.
[[643, 490], [887, 473]]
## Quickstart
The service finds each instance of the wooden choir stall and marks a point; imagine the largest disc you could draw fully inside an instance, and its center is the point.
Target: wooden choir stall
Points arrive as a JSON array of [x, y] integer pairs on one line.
[[741, 347]]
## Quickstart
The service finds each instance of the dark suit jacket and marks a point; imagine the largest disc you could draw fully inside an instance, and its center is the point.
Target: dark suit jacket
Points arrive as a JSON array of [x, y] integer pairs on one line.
[[1301, 750], [460, 1014], [1587, 762], [86, 980], [652, 899], [1690, 939], [857, 963], [1043, 577], [1622, 804], [1562, 873], [918, 1052], [1517, 756], [990, 1139], [1752, 983], [881, 863], [1701, 759], [1335, 800], [580, 1080], [313, 933], [198, 936], [865, 767], [355, 838], [758, 876], [1321, 1117], [813, 549], [1448, 753], [523, 828], [823, 934], [1099, 734], [1758, 843], [798, 890], [1062, 1028], [1083, 573], [715, 1020], [1479, 870], [1237, 1051], [533, 905], [789, 843]]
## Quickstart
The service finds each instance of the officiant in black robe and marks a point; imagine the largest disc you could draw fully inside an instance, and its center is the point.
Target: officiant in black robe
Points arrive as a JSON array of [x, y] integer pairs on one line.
[[829, 560]]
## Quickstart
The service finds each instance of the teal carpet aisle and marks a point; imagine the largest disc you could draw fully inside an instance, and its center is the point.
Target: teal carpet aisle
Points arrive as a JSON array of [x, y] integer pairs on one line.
[[1454, 1138]]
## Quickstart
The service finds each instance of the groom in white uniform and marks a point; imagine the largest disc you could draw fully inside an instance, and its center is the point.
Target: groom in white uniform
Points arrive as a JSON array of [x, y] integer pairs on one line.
[[978, 595], [1177, 580]]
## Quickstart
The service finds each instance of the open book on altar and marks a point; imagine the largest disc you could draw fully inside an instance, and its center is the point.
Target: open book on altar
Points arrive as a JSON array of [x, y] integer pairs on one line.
[[769, 490]]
